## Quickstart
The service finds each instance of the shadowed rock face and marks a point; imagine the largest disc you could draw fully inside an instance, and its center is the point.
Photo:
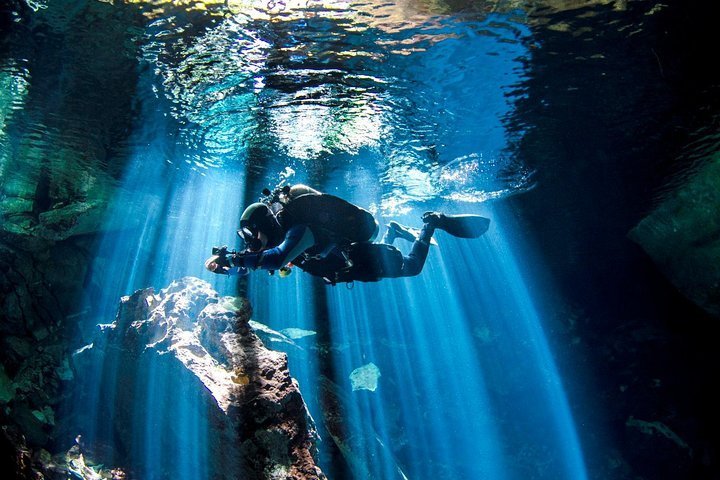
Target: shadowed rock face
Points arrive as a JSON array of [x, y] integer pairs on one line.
[[682, 235], [189, 345]]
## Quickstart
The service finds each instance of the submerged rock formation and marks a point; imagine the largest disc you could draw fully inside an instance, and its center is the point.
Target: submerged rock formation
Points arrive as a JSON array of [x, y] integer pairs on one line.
[[359, 451], [683, 237], [185, 377]]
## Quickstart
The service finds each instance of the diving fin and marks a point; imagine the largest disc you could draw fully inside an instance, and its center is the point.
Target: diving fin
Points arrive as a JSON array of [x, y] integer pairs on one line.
[[462, 226]]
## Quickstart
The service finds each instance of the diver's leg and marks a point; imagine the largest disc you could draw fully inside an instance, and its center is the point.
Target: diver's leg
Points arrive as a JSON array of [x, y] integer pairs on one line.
[[415, 261], [463, 226], [395, 230], [402, 231], [389, 236]]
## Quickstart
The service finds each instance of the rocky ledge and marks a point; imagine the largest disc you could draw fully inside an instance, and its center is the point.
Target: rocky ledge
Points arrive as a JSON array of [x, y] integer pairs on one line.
[[188, 346]]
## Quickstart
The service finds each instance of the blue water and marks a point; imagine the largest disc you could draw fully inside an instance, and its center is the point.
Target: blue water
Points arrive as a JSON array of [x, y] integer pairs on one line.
[[469, 387], [399, 110], [468, 383]]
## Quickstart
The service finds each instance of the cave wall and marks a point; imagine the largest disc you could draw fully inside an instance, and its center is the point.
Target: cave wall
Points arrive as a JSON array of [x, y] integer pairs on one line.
[[618, 112], [66, 110]]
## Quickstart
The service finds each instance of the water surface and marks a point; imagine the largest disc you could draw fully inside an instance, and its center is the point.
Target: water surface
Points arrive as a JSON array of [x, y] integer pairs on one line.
[[163, 119]]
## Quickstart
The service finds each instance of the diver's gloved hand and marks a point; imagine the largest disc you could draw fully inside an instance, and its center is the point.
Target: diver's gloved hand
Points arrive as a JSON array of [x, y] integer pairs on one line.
[[221, 263], [218, 264], [225, 268]]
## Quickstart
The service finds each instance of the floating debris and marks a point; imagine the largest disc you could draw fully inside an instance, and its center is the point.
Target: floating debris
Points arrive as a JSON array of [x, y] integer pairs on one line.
[[365, 377], [267, 334], [296, 333]]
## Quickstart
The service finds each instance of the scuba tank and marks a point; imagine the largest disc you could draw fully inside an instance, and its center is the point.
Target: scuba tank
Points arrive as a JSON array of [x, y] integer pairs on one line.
[[331, 219], [340, 228]]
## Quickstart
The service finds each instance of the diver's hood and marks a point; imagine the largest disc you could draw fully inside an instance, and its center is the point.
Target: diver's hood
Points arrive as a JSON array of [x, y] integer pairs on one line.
[[259, 218]]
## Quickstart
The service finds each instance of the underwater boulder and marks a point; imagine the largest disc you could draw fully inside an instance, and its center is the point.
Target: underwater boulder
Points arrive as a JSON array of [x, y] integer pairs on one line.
[[682, 236], [193, 387], [360, 446], [66, 221]]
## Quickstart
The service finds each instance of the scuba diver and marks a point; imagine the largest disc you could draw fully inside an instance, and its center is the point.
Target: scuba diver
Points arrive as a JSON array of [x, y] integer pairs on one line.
[[331, 238]]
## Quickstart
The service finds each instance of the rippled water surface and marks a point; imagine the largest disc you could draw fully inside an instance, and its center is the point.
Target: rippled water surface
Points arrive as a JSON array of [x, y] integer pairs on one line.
[[423, 91], [416, 89], [160, 119]]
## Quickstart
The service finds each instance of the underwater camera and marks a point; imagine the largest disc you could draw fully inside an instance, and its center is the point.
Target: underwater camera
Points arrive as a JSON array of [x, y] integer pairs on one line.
[[222, 251]]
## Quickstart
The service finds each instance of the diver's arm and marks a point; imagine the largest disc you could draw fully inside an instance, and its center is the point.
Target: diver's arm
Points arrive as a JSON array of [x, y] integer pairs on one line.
[[298, 239], [242, 271]]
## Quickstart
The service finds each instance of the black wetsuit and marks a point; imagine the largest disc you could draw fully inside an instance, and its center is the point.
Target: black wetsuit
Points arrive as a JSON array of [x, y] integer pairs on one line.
[[360, 261]]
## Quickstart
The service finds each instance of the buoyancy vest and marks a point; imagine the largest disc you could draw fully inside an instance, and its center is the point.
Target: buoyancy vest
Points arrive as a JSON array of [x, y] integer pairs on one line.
[[368, 262], [341, 230], [331, 219]]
